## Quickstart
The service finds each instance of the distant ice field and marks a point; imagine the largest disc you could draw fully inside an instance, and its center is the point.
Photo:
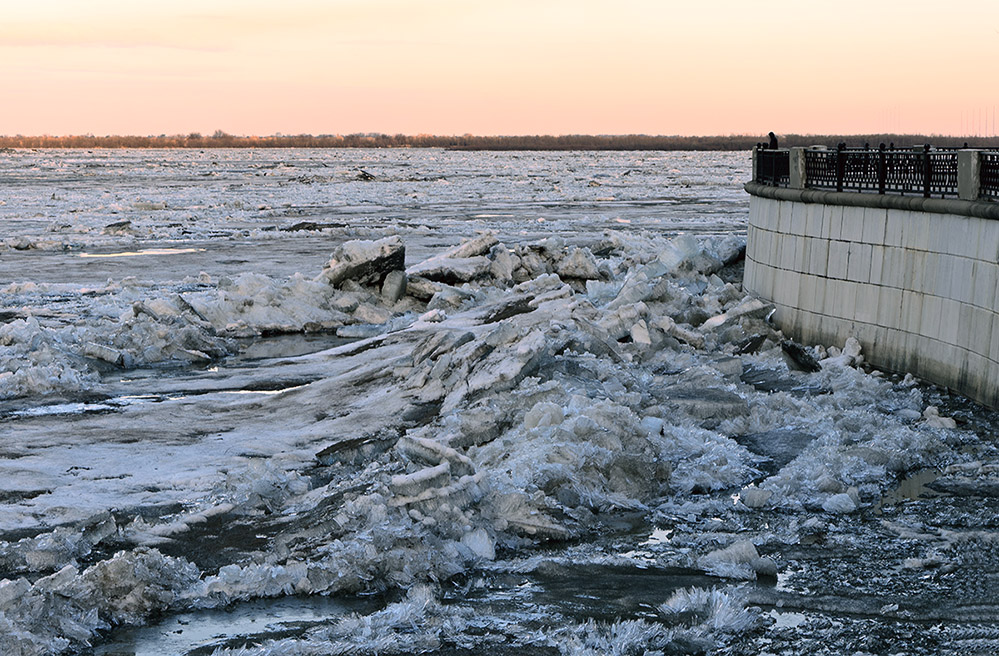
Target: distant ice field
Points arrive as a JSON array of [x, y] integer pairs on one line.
[[228, 211]]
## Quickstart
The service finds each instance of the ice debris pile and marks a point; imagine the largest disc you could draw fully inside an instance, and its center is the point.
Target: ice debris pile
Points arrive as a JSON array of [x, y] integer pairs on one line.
[[364, 290], [501, 398]]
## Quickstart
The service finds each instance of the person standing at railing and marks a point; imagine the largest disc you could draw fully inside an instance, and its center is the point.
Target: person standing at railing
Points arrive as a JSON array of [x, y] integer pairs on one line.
[[773, 141]]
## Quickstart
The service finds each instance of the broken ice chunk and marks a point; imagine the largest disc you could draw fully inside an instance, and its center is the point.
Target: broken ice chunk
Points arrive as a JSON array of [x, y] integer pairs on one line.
[[480, 244], [739, 560], [580, 264], [798, 357], [841, 503], [107, 354], [544, 413], [450, 270], [933, 419], [640, 333], [423, 479], [753, 308], [394, 286], [434, 316], [849, 357], [754, 497], [365, 262], [480, 543], [670, 327]]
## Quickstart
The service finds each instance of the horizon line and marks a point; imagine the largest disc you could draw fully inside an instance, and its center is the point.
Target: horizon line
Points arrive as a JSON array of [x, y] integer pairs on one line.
[[552, 143], [220, 134]]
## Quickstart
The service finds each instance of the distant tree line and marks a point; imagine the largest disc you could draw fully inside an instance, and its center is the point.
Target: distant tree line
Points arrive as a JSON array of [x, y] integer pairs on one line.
[[222, 139]]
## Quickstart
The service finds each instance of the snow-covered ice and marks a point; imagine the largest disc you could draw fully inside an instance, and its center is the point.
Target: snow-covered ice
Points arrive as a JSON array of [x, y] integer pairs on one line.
[[469, 401]]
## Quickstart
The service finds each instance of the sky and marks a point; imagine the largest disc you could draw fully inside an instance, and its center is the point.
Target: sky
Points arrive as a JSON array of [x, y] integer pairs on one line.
[[510, 67]]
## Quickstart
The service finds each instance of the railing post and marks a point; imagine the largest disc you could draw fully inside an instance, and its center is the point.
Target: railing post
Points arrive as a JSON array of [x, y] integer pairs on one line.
[[927, 170], [756, 173], [840, 165], [796, 168], [882, 168], [969, 174]]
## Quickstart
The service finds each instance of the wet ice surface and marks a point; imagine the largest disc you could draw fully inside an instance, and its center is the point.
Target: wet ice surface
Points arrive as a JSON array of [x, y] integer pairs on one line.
[[214, 445], [204, 631]]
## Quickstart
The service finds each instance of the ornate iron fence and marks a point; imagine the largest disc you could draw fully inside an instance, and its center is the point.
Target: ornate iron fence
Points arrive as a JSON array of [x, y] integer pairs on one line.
[[773, 167], [926, 172], [822, 168], [922, 170], [861, 170], [988, 175]]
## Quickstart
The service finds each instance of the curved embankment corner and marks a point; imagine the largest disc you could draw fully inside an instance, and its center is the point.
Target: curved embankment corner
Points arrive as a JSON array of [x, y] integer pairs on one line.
[[915, 280]]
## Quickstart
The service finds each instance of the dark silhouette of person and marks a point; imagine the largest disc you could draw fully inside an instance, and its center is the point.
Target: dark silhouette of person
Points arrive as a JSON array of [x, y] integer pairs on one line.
[[773, 141]]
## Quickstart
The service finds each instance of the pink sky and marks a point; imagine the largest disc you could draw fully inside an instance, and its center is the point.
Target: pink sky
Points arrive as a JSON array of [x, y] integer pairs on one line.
[[512, 67]]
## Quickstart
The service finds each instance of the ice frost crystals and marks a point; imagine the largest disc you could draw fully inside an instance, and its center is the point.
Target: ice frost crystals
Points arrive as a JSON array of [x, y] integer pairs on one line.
[[693, 621], [710, 611]]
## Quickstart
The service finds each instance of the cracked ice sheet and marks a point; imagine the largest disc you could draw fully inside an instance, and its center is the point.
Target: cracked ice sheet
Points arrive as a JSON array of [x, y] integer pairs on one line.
[[173, 451]]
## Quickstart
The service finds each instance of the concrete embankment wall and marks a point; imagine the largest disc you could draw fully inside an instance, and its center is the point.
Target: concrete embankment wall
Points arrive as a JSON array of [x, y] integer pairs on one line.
[[915, 280]]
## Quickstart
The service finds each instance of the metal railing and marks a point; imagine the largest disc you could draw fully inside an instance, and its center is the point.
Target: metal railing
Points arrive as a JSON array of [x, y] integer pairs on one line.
[[926, 172], [988, 175], [773, 167], [923, 170]]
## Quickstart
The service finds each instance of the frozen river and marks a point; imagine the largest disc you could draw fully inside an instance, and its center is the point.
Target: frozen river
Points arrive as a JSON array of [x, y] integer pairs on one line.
[[230, 211], [569, 432]]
